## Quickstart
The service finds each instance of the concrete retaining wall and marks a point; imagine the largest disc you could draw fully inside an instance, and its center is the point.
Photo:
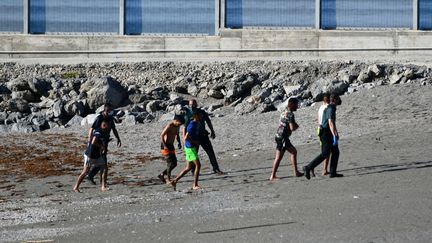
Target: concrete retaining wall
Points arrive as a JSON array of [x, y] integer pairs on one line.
[[230, 43]]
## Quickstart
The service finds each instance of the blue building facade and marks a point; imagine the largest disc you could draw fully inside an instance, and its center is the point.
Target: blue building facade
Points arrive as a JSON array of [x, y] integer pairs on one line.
[[205, 17]]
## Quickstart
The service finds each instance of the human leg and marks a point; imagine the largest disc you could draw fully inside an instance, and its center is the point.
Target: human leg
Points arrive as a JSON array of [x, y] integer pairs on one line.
[[278, 157], [172, 163], [81, 178], [334, 162], [325, 152], [325, 166], [104, 171], [195, 185], [181, 174], [293, 151], [208, 148]]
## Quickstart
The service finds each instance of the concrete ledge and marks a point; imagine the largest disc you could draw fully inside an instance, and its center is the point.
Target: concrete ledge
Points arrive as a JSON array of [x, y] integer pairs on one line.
[[230, 43]]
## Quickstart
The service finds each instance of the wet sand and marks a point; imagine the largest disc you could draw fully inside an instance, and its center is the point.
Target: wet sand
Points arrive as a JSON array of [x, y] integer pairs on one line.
[[385, 195]]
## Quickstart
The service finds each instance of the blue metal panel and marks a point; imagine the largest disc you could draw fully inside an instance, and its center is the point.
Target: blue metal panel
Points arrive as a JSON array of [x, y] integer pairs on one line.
[[170, 16], [425, 14], [74, 16], [366, 14], [11, 16], [270, 13]]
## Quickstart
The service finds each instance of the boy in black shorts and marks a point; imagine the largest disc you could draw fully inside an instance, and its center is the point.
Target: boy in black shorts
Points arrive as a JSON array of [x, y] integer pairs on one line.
[[287, 125]]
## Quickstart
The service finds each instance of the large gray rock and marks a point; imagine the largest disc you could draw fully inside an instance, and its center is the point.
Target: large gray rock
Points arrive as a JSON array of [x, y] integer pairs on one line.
[[3, 117], [18, 105], [4, 90], [105, 89], [40, 87], [324, 85], [23, 128], [192, 89], [292, 89], [5, 128], [89, 120], [153, 106], [74, 108], [25, 95], [18, 84], [245, 107], [215, 94], [74, 121]]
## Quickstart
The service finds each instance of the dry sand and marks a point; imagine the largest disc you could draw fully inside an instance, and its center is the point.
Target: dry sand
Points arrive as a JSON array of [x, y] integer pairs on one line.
[[385, 196]]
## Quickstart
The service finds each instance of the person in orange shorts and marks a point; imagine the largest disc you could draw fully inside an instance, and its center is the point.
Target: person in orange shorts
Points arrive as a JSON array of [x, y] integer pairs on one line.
[[168, 136]]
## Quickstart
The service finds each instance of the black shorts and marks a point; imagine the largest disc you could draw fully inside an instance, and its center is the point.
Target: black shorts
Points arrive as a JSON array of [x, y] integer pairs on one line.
[[283, 144]]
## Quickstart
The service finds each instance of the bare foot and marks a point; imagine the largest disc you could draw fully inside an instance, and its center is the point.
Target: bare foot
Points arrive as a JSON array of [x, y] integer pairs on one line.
[[173, 184], [76, 190], [274, 178], [196, 188], [104, 189], [325, 173]]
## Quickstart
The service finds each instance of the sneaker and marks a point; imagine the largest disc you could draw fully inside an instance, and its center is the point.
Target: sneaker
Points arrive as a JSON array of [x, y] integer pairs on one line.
[[162, 178], [335, 175], [218, 172], [306, 172], [91, 180]]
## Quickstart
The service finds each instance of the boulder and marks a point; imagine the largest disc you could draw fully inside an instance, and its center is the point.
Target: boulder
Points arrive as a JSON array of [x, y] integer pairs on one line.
[[324, 85], [292, 89], [175, 98], [4, 90], [215, 94], [245, 108], [18, 105], [40, 87], [192, 89], [25, 95], [18, 84], [105, 89], [23, 128], [5, 128], [395, 78], [153, 106], [374, 70], [129, 120], [74, 121], [89, 120], [3, 117]]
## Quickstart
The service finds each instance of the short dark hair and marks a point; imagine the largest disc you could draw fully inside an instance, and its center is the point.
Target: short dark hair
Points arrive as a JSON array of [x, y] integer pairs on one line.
[[294, 100], [179, 118], [326, 97], [108, 105]]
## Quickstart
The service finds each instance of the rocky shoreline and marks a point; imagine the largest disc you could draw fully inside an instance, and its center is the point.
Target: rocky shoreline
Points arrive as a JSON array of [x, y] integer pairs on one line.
[[39, 97]]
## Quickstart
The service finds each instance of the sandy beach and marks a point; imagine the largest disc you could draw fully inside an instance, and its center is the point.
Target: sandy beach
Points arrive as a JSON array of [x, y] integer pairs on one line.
[[385, 195]]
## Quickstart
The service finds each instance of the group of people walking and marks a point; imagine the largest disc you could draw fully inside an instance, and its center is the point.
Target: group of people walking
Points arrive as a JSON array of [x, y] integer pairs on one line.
[[327, 132], [195, 135]]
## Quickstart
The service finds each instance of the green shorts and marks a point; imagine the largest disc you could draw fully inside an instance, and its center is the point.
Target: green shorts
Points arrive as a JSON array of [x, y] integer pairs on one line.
[[191, 154]]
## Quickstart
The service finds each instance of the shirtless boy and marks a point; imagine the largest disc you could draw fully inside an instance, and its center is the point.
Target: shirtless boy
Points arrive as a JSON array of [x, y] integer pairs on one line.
[[169, 134]]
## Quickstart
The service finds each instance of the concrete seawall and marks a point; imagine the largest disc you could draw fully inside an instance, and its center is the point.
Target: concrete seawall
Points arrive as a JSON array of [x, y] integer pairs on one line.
[[230, 43]]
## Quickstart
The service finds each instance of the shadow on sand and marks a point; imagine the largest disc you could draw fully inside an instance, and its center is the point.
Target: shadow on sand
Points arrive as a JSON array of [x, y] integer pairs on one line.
[[243, 228], [377, 169]]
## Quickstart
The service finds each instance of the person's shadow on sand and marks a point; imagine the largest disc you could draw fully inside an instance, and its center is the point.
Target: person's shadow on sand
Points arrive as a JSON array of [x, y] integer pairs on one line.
[[385, 168]]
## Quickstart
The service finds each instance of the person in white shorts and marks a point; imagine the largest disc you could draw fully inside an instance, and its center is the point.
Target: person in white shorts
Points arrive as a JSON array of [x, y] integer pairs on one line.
[[93, 156]]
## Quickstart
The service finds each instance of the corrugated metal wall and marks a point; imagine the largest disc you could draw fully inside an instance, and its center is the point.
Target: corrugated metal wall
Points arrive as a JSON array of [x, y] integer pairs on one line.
[[425, 14], [74, 16], [200, 16], [170, 16], [271, 13], [11, 16], [366, 14]]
